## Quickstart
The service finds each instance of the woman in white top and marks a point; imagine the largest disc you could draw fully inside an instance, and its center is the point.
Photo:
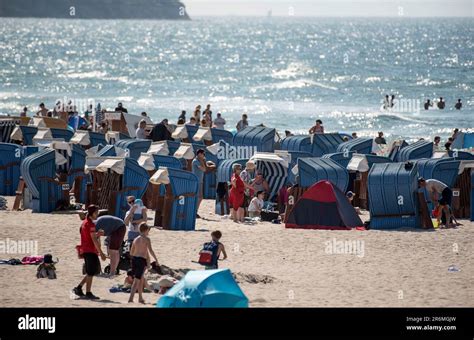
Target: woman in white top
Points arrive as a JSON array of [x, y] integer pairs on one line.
[[256, 205], [141, 134]]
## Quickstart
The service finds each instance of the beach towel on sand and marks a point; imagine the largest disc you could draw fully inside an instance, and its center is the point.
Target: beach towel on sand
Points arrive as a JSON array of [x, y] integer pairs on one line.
[[32, 260]]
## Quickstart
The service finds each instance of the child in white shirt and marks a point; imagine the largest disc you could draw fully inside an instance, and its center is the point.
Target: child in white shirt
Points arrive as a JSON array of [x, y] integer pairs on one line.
[[256, 204]]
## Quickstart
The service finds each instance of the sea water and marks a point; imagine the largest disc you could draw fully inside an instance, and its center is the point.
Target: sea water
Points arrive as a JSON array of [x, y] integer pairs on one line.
[[283, 72]]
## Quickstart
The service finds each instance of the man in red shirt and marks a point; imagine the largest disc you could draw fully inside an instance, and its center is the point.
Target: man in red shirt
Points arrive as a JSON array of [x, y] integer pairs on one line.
[[90, 249]]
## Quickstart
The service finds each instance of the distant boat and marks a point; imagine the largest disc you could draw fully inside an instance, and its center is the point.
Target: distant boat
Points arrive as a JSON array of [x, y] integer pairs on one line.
[[94, 9]]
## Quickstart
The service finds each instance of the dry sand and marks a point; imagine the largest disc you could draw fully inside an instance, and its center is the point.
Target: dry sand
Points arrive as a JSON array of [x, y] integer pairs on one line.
[[276, 267]]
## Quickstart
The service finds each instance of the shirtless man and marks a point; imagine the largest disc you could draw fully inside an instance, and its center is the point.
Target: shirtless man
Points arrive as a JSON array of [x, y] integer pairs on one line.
[[140, 253]]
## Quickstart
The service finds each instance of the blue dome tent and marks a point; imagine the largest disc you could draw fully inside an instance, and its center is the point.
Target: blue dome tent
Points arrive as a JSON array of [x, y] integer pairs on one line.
[[205, 289]]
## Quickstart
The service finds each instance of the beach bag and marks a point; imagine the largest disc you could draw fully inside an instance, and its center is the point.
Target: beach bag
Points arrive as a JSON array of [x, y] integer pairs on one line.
[[207, 253], [269, 216]]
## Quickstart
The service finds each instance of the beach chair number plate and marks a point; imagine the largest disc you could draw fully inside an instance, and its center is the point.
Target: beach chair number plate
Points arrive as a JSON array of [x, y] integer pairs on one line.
[[456, 193], [65, 186]]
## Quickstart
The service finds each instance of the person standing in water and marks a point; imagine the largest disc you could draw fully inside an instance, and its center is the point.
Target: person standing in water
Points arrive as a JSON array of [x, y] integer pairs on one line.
[[386, 102], [428, 104], [441, 104], [392, 101], [458, 105]]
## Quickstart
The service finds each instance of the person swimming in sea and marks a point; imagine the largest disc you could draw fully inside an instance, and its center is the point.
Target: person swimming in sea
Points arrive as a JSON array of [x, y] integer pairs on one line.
[[428, 104], [441, 103], [458, 105], [386, 102]]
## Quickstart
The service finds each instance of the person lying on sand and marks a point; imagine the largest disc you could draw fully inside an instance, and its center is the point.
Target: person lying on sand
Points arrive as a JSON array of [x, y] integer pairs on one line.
[[140, 252]]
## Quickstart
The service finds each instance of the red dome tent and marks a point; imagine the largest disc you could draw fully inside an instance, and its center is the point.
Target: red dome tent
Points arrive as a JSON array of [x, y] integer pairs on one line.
[[323, 206]]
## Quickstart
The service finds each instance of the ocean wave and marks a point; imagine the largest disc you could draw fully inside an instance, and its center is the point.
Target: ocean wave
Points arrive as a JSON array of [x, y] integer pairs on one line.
[[372, 79], [427, 82], [294, 69], [84, 75]]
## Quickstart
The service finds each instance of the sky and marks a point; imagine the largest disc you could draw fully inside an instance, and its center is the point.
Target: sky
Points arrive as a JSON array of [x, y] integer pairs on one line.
[[332, 8]]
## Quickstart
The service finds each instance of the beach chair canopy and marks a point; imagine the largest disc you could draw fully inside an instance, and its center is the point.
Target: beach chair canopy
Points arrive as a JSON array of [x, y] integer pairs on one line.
[[341, 158], [395, 149], [11, 156], [461, 155], [313, 170], [444, 169], [65, 134], [363, 163], [158, 148], [221, 135], [81, 137], [181, 132], [260, 138], [205, 289], [323, 206], [417, 150], [153, 162], [104, 164], [294, 156], [393, 202], [132, 122], [110, 151], [203, 134], [134, 147], [359, 145], [7, 126], [185, 151], [161, 176], [274, 169], [224, 170], [464, 140], [316, 144], [146, 161], [42, 133], [63, 150], [38, 165]]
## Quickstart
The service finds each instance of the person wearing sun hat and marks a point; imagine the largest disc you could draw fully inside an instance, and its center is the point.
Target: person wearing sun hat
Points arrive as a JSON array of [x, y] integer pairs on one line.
[[46, 269]]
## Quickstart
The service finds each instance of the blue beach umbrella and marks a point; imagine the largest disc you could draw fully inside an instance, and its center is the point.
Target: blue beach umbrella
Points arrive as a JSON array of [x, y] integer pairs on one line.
[[205, 289]]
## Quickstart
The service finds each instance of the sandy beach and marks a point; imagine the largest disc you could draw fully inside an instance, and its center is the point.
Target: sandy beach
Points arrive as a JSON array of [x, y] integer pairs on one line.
[[275, 267]]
